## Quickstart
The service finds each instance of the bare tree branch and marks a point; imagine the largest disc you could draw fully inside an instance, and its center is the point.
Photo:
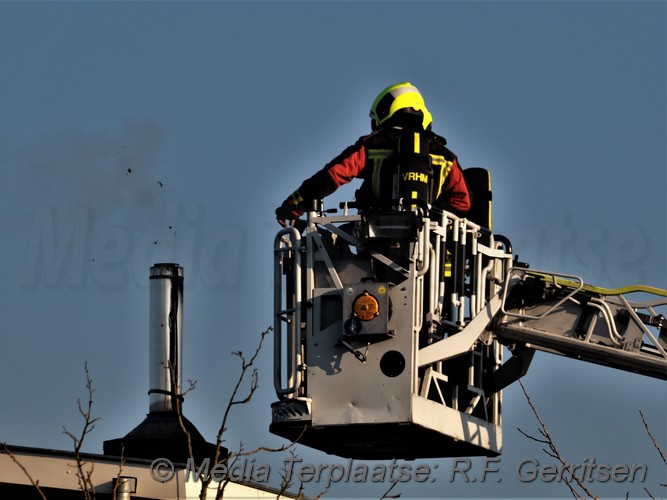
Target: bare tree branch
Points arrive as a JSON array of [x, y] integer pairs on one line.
[[34, 482], [655, 443], [178, 403], [554, 450], [84, 476], [649, 493], [285, 476], [247, 366], [254, 384], [386, 493], [120, 471]]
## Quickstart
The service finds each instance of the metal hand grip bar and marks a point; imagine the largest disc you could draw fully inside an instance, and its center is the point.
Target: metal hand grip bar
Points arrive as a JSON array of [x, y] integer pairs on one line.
[[287, 241], [576, 285]]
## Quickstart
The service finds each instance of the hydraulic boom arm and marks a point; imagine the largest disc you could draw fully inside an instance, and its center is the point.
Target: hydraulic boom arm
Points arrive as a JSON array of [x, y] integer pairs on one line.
[[562, 315]]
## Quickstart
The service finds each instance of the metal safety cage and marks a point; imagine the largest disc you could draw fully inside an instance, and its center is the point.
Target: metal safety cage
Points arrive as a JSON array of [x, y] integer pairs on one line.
[[386, 352]]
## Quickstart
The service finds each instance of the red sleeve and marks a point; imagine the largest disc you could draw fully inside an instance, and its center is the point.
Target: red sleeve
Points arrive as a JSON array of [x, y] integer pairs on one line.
[[348, 165], [456, 192], [341, 170]]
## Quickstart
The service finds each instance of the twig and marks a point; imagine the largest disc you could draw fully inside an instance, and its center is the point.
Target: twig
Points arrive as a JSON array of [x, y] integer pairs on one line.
[[268, 449], [386, 493], [178, 399], [655, 443], [254, 384], [34, 482], [84, 477], [649, 493], [247, 365], [554, 450], [233, 401], [120, 471]]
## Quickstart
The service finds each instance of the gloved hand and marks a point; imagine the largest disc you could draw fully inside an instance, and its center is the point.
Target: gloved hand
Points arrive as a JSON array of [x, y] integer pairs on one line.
[[287, 213]]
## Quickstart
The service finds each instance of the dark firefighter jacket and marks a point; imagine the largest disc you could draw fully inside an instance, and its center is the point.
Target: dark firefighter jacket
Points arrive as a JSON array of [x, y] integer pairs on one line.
[[365, 160]]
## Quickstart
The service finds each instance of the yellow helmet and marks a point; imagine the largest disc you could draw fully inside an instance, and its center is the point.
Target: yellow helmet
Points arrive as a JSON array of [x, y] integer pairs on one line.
[[397, 97]]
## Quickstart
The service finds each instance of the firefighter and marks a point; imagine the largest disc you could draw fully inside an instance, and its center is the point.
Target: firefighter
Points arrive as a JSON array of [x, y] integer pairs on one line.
[[401, 125]]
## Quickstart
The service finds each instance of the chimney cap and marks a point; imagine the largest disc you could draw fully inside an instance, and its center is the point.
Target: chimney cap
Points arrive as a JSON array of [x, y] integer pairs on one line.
[[166, 270]]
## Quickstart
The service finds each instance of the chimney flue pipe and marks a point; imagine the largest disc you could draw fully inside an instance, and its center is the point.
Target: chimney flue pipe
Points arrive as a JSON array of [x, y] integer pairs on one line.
[[166, 339]]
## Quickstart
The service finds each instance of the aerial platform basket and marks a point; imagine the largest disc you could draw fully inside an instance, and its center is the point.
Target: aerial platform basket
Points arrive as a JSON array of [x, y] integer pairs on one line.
[[360, 301]]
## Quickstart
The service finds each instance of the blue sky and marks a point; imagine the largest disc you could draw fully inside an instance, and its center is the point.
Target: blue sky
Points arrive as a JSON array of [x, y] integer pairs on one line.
[[139, 132]]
